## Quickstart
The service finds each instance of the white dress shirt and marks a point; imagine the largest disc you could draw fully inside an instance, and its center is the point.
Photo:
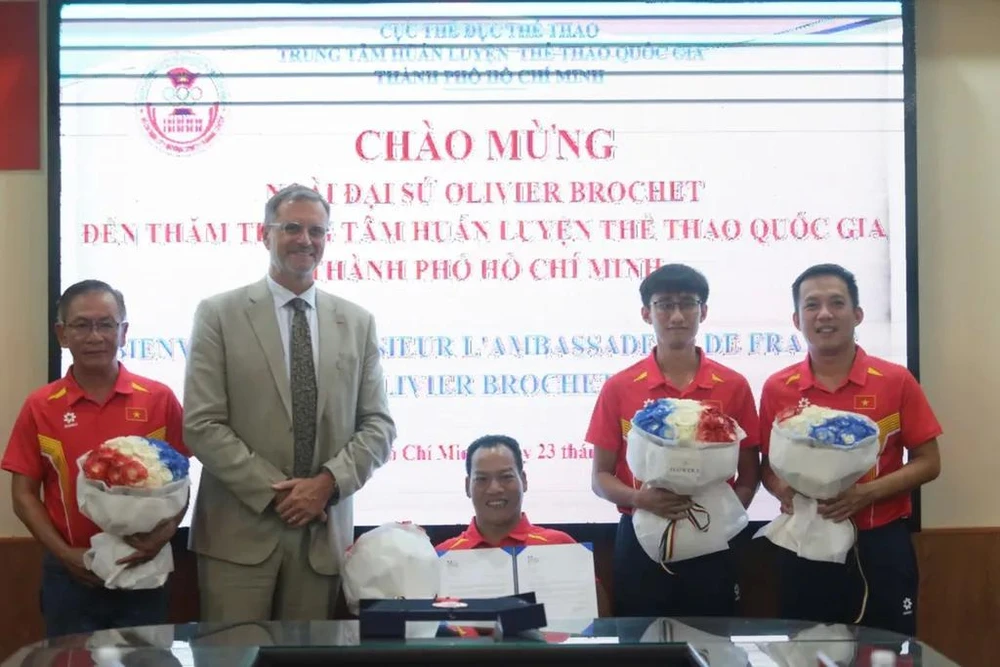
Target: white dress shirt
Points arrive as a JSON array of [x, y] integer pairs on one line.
[[284, 312]]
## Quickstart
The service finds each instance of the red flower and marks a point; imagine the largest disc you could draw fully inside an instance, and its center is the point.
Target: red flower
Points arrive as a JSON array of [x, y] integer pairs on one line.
[[114, 477], [714, 426], [134, 473], [107, 465], [788, 413], [95, 468]]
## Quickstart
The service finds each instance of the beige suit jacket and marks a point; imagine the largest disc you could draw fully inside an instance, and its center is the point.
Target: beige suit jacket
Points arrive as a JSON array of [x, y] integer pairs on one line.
[[237, 421]]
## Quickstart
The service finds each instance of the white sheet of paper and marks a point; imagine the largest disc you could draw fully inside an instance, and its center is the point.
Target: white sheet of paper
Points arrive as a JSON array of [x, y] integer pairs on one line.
[[477, 573], [562, 578]]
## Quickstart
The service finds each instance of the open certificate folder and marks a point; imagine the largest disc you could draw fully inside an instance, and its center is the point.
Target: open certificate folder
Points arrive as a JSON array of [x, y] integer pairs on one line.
[[560, 575]]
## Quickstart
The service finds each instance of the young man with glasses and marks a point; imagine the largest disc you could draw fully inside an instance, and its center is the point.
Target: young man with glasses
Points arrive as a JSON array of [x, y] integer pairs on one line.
[[674, 303], [285, 407], [97, 399]]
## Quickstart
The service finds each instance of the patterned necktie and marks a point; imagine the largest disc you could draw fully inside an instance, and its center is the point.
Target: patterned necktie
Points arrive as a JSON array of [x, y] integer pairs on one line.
[[303, 385]]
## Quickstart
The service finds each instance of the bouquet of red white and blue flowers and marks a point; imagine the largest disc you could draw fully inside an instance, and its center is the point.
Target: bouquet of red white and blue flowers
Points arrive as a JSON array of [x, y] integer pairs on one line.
[[690, 448], [129, 485]]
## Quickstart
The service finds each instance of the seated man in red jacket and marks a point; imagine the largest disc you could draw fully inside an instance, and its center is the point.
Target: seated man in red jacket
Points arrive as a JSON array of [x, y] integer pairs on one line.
[[495, 481]]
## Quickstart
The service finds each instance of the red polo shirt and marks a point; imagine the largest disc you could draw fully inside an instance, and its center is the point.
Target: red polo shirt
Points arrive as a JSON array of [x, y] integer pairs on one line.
[[58, 424], [882, 390], [524, 534], [626, 392]]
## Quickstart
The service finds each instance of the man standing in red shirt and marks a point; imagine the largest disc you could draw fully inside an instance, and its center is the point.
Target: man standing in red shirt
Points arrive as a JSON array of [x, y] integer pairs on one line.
[[496, 484], [674, 303], [880, 577], [97, 400]]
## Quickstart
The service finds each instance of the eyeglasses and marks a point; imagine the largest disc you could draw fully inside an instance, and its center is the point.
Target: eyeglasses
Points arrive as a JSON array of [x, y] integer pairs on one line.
[[295, 229], [685, 306], [82, 328]]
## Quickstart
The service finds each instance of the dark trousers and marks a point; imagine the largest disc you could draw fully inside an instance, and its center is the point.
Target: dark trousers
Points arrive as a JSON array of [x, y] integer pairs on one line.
[[704, 586], [834, 593], [69, 607]]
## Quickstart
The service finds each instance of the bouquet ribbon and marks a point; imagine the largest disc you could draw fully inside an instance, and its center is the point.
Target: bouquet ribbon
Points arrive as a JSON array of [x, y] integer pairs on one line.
[[698, 516], [864, 578]]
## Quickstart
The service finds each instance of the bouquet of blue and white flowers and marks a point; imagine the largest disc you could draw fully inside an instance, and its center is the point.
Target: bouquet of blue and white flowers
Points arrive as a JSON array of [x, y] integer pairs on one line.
[[691, 449], [128, 485], [820, 453]]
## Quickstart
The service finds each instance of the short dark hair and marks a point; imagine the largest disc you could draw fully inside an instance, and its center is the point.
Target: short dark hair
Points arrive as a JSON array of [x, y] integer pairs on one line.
[[835, 270], [674, 279], [85, 287], [291, 193], [488, 441]]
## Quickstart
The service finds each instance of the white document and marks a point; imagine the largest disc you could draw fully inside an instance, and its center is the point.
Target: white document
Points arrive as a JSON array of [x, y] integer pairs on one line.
[[561, 577], [477, 573]]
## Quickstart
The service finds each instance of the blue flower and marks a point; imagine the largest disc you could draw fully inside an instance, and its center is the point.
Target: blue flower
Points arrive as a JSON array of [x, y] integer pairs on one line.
[[652, 418], [842, 431], [175, 462], [824, 434]]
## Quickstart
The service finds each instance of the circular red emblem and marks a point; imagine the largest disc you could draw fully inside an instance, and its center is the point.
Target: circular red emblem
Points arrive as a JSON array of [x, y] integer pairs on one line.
[[182, 104]]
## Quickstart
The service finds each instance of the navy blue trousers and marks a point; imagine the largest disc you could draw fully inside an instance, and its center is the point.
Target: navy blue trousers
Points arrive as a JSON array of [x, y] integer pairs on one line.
[[704, 586], [69, 607], [834, 593]]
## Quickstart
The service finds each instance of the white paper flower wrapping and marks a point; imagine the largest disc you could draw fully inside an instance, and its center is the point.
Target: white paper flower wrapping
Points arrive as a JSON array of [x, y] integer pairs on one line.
[[669, 448], [719, 511], [820, 453], [394, 560]]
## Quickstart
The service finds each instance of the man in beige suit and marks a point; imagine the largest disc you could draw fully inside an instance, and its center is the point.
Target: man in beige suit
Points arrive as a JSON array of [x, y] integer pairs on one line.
[[285, 407]]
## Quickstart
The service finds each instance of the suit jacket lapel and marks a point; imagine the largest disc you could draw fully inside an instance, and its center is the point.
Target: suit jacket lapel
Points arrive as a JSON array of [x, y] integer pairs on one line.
[[260, 310], [330, 334]]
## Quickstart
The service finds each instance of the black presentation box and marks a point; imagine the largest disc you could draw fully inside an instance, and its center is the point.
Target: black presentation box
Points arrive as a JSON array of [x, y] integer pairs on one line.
[[386, 619]]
